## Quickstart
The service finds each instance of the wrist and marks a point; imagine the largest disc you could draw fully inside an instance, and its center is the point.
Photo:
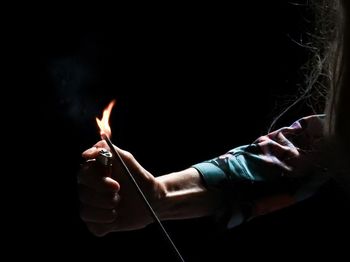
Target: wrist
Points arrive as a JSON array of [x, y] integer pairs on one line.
[[183, 195], [160, 197]]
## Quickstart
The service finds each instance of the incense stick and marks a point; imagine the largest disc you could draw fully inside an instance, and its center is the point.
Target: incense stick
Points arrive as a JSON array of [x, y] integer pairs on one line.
[[142, 195]]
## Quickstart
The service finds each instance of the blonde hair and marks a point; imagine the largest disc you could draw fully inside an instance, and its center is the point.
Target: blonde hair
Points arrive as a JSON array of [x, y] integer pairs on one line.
[[323, 73], [338, 102]]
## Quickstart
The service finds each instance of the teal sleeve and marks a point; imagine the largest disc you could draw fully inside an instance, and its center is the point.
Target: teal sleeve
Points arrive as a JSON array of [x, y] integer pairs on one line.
[[240, 164], [284, 165], [212, 175], [224, 173], [242, 175]]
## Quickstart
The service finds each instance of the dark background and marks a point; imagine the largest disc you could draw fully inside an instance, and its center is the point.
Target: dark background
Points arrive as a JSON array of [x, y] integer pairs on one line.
[[191, 82]]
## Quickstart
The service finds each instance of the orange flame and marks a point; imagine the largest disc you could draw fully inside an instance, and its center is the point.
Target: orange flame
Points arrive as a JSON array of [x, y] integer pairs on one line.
[[103, 123]]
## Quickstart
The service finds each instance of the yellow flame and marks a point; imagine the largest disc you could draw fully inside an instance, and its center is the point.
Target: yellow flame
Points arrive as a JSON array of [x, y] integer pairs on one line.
[[103, 123]]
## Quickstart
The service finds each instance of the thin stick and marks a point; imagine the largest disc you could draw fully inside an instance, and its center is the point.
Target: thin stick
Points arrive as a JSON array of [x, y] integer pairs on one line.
[[142, 195]]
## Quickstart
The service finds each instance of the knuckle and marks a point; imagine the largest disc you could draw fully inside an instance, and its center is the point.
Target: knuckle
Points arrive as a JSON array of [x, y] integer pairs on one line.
[[115, 200], [84, 215], [98, 230], [128, 155], [111, 202], [101, 144], [108, 186], [97, 215]]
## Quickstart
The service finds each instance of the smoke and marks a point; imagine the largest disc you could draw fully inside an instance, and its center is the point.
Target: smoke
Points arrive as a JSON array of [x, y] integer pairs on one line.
[[72, 80], [74, 74]]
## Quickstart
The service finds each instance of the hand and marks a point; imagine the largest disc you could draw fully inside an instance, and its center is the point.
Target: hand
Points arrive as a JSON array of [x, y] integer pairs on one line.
[[109, 200]]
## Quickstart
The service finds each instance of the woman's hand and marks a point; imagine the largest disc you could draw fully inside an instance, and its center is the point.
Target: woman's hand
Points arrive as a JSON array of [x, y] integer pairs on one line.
[[109, 200]]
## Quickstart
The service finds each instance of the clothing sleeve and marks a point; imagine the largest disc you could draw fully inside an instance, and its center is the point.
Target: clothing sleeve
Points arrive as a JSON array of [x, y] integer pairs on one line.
[[275, 171]]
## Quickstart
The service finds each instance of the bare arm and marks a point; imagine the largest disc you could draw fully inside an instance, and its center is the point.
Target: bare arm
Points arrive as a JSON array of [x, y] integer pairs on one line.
[[111, 203], [185, 196]]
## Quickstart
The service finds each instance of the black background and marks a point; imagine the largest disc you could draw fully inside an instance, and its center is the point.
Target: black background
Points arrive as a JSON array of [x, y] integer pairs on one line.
[[191, 82]]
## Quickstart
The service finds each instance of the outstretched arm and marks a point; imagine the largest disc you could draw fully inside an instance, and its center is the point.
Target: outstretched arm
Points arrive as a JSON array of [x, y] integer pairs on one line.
[[275, 171], [111, 203]]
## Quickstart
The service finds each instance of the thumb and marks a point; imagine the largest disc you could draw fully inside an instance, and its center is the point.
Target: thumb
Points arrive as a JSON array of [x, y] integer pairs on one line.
[[132, 165]]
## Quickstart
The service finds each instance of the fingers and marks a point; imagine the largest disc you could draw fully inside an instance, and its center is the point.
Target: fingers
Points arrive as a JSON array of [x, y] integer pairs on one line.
[[94, 151], [97, 215], [99, 197], [98, 200], [90, 153], [89, 177], [102, 144], [100, 230], [98, 193]]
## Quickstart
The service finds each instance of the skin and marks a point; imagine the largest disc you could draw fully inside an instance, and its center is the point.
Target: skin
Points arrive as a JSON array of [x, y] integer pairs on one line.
[[109, 201]]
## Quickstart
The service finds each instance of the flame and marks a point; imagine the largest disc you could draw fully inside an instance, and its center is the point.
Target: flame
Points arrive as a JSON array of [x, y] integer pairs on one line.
[[103, 123]]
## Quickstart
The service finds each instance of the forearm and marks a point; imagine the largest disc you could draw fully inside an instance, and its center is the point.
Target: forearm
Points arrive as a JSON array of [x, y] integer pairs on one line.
[[185, 196]]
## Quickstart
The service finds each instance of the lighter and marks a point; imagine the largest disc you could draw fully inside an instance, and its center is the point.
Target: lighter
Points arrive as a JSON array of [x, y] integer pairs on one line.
[[104, 158]]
